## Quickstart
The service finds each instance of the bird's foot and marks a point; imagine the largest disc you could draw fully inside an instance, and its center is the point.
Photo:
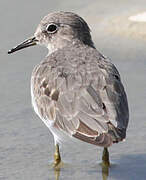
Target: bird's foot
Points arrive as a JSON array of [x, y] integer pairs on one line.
[[105, 158], [57, 157]]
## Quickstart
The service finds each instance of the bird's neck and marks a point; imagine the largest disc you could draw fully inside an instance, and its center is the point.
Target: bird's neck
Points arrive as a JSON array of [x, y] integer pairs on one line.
[[65, 43]]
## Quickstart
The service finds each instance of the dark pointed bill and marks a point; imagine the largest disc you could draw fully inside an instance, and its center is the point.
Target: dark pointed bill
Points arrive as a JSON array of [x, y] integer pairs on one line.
[[27, 43]]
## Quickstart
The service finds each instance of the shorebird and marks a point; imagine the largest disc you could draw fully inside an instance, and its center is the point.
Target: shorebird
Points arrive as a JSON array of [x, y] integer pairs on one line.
[[76, 91]]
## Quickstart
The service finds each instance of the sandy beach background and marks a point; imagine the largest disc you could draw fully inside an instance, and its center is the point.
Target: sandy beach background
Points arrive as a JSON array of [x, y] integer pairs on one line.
[[26, 145]]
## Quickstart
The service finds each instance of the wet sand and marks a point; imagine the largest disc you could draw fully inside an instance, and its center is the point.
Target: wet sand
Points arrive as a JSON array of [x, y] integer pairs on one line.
[[26, 145]]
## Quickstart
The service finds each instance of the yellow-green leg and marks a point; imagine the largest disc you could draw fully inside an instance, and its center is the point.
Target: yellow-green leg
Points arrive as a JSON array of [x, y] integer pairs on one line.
[[57, 157], [105, 164], [105, 157]]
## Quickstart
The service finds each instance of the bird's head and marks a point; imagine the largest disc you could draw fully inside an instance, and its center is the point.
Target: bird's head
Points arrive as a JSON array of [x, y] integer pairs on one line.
[[57, 30]]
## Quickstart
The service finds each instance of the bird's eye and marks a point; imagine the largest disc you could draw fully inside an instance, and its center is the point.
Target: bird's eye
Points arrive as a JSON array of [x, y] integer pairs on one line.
[[52, 28]]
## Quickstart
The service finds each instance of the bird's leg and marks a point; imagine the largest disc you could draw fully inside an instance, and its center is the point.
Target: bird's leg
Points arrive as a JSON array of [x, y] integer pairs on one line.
[[105, 157], [57, 157]]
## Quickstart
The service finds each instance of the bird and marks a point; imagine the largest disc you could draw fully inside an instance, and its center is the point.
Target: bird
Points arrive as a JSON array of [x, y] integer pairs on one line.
[[76, 90]]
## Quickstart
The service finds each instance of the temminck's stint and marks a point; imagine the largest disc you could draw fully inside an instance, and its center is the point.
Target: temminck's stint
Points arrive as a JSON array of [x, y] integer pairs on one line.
[[75, 90]]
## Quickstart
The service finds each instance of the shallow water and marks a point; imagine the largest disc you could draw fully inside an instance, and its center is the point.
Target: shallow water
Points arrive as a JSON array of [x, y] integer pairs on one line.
[[26, 145]]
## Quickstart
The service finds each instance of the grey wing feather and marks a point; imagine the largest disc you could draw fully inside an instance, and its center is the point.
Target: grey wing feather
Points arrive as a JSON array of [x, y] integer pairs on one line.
[[100, 111], [91, 105]]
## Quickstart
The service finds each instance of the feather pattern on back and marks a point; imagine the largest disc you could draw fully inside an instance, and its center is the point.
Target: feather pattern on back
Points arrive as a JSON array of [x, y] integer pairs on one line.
[[78, 91]]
